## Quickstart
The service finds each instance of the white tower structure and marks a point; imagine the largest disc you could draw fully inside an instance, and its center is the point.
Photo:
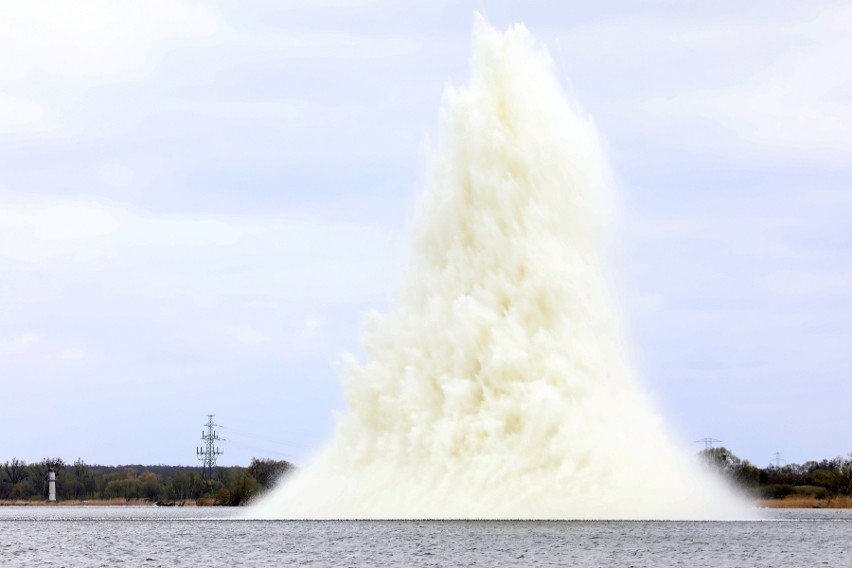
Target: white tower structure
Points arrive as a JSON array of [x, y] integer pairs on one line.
[[51, 486]]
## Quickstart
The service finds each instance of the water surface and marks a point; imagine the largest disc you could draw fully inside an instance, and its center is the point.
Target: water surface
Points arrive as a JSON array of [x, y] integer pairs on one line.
[[155, 536]]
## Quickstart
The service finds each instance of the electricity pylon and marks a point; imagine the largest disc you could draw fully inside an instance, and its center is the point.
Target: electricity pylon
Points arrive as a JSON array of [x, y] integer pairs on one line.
[[708, 442], [208, 452]]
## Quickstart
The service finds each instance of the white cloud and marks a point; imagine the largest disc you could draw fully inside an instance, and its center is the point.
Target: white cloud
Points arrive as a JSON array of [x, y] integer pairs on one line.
[[18, 343], [799, 101], [73, 354], [94, 38], [324, 45], [313, 326], [57, 220], [249, 336], [36, 351], [116, 175], [135, 253], [830, 197], [747, 237], [53, 50], [18, 114]]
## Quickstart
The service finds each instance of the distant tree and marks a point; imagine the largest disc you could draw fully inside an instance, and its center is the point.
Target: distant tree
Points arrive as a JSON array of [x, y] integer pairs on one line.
[[150, 485], [234, 485], [198, 485], [267, 472], [721, 459], [790, 474], [23, 490], [126, 489], [76, 483], [40, 471], [221, 494], [57, 465], [15, 470], [224, 475], [83, 474], [185, 486], [829, 479], [243, 489], [179, 487], [844, 474], [739, 471]]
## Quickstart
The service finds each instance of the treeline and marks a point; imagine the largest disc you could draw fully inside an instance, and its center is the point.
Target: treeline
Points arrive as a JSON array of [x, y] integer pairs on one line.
[[824, 479], [177, 485], [162, 484]]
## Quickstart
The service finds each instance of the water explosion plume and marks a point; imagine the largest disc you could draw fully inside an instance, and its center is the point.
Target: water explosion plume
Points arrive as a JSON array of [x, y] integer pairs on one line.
[[497, 386]]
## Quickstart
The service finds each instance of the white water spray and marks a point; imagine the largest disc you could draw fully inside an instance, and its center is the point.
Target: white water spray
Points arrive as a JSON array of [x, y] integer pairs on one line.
[[497, 386]]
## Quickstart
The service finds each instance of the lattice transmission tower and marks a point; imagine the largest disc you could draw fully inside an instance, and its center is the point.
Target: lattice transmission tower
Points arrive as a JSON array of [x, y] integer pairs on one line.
[[208, 452], [708, 442]]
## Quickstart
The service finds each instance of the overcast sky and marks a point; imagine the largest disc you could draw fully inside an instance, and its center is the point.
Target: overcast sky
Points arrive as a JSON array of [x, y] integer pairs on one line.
[[199, 200]]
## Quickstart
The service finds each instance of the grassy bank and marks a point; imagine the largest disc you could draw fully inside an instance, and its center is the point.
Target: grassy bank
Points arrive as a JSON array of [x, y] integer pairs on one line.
[[806, 502], [99, 503]]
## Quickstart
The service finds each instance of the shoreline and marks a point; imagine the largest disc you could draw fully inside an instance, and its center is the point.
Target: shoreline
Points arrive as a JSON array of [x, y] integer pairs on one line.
[[789, 502], [119, 502]]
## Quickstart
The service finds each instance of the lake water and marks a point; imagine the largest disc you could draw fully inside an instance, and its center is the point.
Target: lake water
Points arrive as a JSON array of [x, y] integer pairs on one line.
[[158, 536]]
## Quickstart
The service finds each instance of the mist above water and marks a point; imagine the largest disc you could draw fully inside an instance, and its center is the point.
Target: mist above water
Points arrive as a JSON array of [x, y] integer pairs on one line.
[[497, 386]]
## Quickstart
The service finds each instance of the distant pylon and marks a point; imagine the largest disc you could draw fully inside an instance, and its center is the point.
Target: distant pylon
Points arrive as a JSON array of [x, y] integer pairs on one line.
[[777, 459], [708, 442], [208, 452]]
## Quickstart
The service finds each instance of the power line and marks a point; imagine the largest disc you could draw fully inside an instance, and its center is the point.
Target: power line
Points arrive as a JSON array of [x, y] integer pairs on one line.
[[208, 452], [262, 451], [265, 438], [777, 459]]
